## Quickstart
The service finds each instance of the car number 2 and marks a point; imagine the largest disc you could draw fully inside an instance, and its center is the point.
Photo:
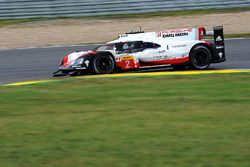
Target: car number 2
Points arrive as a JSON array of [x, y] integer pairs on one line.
[[127, 62]]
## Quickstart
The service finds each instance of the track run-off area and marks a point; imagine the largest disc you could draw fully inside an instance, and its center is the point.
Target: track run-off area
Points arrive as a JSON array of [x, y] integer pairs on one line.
[[136, 75], [36, 65]]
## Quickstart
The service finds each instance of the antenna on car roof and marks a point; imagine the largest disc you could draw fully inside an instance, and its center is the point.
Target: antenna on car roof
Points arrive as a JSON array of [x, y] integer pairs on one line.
[[135, 32]]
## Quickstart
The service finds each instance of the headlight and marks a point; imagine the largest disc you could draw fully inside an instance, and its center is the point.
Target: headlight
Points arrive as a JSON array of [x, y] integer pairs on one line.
[[78, 62]]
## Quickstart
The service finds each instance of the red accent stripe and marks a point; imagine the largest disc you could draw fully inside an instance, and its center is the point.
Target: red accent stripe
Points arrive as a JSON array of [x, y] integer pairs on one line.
[[171, 61], [200, 30], [208, 43], [92, 52], [65, 60]]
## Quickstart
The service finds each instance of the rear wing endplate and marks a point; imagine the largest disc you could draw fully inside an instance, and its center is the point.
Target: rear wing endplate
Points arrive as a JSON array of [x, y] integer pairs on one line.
[[219, 45], [217, 33]]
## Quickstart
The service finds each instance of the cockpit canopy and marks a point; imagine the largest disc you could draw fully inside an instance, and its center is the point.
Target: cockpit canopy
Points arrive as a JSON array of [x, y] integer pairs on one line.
[[127, 47]]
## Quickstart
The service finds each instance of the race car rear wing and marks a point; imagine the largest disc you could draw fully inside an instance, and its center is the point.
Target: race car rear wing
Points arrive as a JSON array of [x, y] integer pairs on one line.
[[219, 45], [217, 33]]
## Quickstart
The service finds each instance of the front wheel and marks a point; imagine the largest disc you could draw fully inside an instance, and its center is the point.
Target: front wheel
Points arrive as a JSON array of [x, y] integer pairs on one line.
[[103, 64], [200, 57]]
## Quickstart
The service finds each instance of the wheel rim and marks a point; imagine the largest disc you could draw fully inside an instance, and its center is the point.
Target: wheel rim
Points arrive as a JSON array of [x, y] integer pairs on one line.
[[104, 65], [201, 59]]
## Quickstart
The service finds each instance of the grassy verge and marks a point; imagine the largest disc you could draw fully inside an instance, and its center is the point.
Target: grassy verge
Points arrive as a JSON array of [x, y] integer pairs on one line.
[[4, 22], [237, 35], [162, 121]]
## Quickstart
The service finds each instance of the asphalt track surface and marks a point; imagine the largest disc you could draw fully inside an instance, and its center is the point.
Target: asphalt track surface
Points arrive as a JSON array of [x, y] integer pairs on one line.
[[18, 65]]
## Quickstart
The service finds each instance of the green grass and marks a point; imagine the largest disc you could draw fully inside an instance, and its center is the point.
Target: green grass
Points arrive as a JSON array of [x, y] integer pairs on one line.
[[237, 35], [198, 121], [5, 22]]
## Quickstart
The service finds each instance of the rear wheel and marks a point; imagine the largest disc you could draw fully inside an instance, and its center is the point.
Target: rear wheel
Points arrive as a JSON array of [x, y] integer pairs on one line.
[[200, 57], [103, 64]]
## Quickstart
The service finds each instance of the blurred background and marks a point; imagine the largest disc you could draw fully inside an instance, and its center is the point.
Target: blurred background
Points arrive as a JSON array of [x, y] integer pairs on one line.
[[72, 22], [68, 8]]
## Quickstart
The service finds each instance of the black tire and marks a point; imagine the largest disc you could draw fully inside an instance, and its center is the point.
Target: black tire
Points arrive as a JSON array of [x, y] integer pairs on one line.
[[200, 57], [103, 64]]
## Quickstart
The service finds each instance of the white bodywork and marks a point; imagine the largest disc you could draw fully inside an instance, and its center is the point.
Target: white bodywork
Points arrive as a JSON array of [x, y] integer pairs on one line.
[[178, 47], [174, 44], [173, 47]]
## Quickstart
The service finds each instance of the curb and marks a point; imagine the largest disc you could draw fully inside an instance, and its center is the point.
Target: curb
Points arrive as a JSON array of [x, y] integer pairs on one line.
[[150, 74]]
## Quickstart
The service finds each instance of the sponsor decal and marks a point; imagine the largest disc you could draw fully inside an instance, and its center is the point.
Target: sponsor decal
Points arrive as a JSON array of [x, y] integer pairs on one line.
[[158, 34], [181, 34], [167, 35], [162, 51], [220, 54], [81, 68], [127, 57], [173, 33], [87, 63], [179, 46], [176, 31], [219, 47], [162, 61], [118, 59], [218, 39], [127, 62], [164, 57]]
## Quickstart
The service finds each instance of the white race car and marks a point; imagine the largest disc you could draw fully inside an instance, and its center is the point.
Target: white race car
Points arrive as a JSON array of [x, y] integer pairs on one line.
[[179, 48]]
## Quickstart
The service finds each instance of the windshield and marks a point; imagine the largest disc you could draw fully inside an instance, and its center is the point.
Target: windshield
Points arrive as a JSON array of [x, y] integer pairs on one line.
[[127, 47], [105, 47]]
